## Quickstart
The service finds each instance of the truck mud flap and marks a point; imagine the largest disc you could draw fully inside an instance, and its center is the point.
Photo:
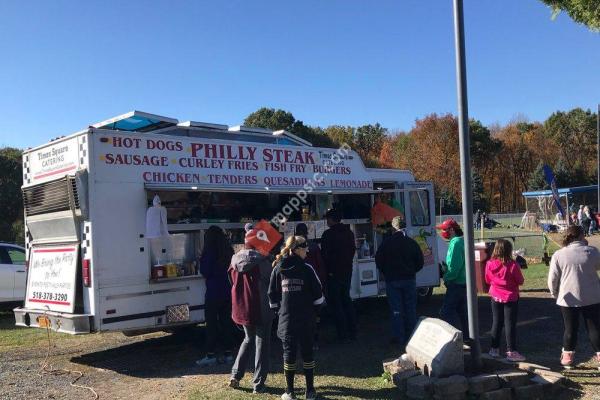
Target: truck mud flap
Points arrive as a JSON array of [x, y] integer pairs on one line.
[[75, 324]]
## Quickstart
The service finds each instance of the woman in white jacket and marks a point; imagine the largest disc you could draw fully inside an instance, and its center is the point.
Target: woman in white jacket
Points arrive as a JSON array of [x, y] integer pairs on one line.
[[573, 282]]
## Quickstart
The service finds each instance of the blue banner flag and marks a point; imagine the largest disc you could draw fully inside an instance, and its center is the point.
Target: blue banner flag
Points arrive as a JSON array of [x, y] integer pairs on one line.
[[552, 182]]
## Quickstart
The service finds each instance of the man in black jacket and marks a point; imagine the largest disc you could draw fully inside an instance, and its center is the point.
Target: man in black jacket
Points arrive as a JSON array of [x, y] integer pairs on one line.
[[337, 249], [399, 258]]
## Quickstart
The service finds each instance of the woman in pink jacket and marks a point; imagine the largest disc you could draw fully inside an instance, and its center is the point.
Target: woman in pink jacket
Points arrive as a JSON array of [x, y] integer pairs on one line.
[[504, 276]]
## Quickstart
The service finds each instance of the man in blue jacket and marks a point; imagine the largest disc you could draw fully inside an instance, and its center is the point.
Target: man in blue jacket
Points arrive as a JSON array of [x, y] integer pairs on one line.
[[399, 258]]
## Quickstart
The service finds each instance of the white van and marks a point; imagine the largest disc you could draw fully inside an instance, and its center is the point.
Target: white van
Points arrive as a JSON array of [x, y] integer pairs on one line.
[[91, 266], [12, 274]]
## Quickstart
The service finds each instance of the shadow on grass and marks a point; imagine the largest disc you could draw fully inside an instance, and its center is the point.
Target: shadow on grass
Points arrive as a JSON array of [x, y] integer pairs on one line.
[[539, 336], [332, 391]]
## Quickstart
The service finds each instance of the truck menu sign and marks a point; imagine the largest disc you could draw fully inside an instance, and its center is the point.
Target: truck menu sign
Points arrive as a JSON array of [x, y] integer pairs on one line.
[[196, 161], [51, 280]]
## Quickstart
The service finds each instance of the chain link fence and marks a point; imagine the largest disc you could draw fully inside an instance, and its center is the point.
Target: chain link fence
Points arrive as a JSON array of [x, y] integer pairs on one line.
[[531, 244], [502, 219]]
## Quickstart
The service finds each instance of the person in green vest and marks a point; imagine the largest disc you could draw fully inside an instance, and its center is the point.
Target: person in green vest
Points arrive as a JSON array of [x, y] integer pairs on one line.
[[455, 301]]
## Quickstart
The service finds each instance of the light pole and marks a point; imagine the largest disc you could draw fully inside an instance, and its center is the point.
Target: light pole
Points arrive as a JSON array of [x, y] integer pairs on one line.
[[466, 184]]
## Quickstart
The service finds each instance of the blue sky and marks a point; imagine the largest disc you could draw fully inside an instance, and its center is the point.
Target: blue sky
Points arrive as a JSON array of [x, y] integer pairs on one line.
[[67, 64]]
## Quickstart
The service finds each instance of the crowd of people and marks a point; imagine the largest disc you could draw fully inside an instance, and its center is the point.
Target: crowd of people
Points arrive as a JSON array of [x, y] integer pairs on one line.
[[251, 289], [586, 218]]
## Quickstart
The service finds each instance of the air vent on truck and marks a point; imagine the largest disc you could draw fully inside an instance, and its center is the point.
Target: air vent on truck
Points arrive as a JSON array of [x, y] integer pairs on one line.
[[53, 196]]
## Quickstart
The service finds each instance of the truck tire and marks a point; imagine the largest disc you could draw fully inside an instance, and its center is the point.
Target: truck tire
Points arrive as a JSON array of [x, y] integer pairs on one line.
[[424, 294]]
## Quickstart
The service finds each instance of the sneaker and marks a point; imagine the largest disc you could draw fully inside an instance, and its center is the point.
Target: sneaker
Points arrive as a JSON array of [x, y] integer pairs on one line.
[[288, 396], [206, 361], [311, 395], [514, 356], [234, 383], [597, 359], [494, 352], [567, 358]]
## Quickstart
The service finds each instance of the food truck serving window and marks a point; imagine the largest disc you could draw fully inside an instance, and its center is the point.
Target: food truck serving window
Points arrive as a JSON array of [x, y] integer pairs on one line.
[[201, 207], [419, 207]]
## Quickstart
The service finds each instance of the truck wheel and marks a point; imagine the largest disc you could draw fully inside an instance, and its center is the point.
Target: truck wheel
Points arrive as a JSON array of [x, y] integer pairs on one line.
[[424, 294]]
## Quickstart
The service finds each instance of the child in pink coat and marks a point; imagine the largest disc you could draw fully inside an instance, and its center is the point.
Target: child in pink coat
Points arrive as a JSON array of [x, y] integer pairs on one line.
[[504, 276]]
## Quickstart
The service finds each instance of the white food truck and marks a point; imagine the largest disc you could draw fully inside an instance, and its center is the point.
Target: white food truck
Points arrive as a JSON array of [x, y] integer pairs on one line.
[[92, 265]]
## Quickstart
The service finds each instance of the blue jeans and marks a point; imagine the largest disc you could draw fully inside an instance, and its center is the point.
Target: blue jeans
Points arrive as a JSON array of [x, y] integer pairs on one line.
[[455, 305], [402, 298]]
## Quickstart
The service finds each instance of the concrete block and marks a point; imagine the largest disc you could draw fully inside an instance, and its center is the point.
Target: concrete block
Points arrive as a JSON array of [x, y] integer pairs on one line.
[[550, 382], [455, 396], [454, 384], [529, 367], [500, 394], [393, 366], [400, 379], [529, 392], [419, 387], [550, 376], [437, 348], [511, 379], [483, 383]]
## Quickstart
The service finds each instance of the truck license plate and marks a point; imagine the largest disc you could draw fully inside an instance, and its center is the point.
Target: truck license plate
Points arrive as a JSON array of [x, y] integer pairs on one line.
[[178, 313], [43, 322]]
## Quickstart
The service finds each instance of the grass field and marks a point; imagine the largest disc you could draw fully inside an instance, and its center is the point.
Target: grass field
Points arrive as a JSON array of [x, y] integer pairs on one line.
[[354, 372], [15, 337]]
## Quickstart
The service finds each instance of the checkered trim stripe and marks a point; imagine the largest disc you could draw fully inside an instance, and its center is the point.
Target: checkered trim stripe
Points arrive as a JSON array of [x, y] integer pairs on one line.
[[86, 240], [27, 242], [83, 152], [26, 170]]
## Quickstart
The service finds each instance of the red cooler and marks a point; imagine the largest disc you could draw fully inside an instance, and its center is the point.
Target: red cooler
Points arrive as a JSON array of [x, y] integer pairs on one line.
[[483, 251]]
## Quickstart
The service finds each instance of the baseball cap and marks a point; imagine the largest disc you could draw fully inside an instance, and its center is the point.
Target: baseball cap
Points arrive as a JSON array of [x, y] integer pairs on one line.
[[334, 214], [447, 224]]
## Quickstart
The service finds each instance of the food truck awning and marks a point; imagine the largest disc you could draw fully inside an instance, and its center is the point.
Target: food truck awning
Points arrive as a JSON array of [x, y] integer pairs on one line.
[[136, 121], [212, 188]]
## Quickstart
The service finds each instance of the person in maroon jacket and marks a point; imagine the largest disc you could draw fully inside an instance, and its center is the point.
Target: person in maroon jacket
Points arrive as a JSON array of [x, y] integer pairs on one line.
[[250, 273], [338, 248]]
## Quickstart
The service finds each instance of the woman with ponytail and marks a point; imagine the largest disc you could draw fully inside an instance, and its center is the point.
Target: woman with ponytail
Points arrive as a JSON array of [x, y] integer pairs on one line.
[[573, 282], [296, 292]]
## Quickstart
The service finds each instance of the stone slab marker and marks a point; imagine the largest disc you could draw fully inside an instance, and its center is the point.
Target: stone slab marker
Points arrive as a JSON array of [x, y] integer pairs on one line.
[[436, 348]]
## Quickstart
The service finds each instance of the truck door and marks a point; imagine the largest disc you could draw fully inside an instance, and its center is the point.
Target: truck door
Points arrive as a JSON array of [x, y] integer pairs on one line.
[[7, 276], [17, 257], [420, 225]]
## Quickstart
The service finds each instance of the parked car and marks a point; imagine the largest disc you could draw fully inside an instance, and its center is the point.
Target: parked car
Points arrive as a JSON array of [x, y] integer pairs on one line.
[[12, 274]]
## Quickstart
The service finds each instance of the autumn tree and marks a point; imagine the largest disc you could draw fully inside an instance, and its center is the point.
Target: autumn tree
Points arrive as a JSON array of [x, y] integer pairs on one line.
[[275, 120], [340, 135], [585, 12], [574, 132], [11, 201], [537, 179], [369, 139], [433, 153]]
